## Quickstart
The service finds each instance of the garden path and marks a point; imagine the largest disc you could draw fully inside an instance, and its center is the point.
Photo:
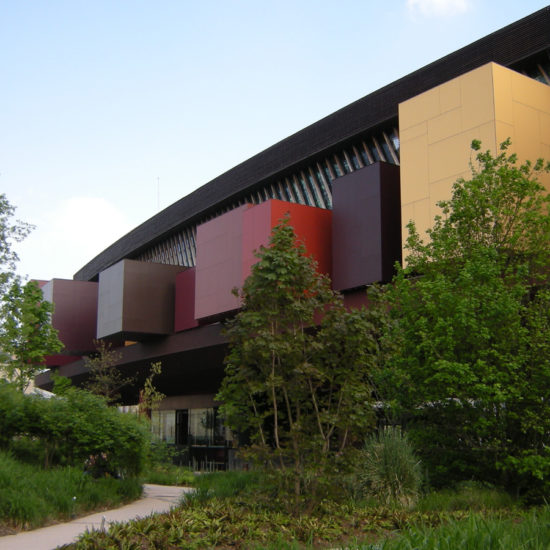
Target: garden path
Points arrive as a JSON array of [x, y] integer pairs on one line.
[[156, 499]]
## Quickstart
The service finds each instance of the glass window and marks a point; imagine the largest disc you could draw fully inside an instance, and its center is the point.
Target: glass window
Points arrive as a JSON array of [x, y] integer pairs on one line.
[[163, 425]]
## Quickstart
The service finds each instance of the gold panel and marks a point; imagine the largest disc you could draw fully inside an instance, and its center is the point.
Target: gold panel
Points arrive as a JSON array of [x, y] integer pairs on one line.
[[490, 103], [444, 125]]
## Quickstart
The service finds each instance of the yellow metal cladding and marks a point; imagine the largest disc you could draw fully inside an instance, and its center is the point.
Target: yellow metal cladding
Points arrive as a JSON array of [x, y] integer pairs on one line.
[[490, 103]]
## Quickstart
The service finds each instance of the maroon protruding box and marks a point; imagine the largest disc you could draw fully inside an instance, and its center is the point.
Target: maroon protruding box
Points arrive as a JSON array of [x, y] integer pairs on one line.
[[219, 269], [184, 314], [74, 317], [366, 226]]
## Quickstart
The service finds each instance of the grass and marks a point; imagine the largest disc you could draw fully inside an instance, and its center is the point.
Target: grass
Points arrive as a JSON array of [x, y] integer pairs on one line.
[[467, 496], [169, 474], [530, 532], [31, 497]]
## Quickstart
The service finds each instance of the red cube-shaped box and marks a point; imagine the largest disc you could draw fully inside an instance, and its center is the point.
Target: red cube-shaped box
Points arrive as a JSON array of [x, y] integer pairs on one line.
[[226, 245]]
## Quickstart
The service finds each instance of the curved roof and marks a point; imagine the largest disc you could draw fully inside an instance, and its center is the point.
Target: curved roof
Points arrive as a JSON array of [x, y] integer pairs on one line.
[[508, 46]]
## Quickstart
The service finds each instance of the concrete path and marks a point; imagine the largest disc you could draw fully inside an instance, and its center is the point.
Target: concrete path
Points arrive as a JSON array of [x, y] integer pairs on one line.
[[156, 499]]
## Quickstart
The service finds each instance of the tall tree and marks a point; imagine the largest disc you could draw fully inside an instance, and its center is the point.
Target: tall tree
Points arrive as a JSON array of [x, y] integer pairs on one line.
[[11, 232], [471, 370], [300, 389], [26, 334]]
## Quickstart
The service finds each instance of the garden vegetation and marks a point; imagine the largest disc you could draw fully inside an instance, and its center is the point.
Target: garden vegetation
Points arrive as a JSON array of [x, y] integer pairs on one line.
[[419, 423]]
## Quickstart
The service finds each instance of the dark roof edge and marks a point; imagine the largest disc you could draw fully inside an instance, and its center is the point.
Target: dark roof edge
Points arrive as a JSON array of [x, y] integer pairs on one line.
[[506, 46]]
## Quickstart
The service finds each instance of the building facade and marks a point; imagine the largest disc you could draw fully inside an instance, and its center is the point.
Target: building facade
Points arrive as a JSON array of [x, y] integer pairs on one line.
[[350, 183]]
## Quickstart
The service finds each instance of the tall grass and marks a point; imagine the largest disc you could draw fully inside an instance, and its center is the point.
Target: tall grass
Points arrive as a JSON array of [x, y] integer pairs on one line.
[[30, 496], [169, 474], [469, 496], [475, 533], [225, 484]]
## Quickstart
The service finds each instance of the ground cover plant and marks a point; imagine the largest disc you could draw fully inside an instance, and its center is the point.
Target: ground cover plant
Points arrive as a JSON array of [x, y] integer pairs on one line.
[[249, 518], [31, 496]]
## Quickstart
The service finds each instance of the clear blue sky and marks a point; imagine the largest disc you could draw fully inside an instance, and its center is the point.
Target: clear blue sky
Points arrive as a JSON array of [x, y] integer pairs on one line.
[[112, 110]]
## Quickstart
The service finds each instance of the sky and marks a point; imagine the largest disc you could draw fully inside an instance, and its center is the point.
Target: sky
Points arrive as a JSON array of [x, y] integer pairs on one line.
[[111, 110]]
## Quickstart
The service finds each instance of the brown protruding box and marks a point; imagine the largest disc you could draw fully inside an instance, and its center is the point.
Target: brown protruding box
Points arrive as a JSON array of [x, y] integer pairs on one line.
[[136, 299], [366, 226]]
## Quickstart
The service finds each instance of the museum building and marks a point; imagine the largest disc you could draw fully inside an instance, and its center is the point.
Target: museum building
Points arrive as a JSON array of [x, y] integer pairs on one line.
[[349, 183]]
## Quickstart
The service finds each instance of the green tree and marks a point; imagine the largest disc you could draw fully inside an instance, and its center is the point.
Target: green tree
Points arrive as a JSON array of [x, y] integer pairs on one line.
[[11, 232], [298, 373], [26, 332], [471, 369], [105, 378]]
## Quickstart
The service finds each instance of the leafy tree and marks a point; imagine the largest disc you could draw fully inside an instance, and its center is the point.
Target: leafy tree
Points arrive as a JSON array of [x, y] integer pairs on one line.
[[105, 379], [26, 332], [471, 368], [298, 386], [10, 232]]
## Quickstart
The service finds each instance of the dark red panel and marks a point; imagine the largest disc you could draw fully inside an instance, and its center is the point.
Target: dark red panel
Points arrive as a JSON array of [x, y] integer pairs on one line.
[[311, 225], [75, 313], [219, 264], [366, 238], [184, 314]]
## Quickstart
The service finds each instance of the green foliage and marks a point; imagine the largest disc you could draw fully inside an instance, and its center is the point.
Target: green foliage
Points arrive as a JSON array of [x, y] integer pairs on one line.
[[241, 522], [74, 427], [468, 496], [26, 333], [228, 485], [149, 396], [30, 496], [299, 388], [471, 328], [390, 470], [169, 474], [474, 533], [104, 378], [11, 231]]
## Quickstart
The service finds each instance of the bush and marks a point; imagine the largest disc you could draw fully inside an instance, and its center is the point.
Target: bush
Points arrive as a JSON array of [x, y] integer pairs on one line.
[[390, 470], [72, 428]]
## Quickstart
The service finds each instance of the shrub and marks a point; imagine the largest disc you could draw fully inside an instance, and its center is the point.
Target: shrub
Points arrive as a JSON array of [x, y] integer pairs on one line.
[[390, 470], [72, 428]]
